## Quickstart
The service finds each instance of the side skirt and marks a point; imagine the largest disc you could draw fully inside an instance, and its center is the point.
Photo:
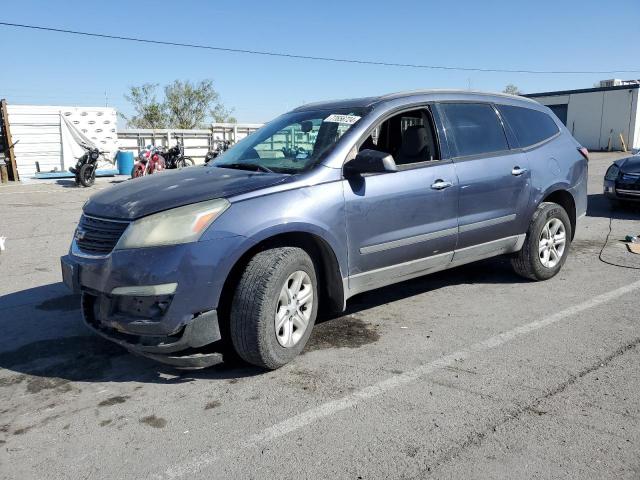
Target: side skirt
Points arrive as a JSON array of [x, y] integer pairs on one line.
[[382, 277]]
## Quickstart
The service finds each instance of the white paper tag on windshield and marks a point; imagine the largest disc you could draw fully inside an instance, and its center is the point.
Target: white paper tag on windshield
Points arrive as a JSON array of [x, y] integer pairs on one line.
[[346, 119]]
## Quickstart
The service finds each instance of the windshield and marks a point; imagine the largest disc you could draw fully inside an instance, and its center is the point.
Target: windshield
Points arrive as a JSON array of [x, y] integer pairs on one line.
[[291, 143]]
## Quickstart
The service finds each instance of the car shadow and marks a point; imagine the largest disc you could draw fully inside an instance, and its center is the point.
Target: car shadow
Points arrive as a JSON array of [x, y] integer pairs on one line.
[[70, 183], [48, 340], [599, 206], [496, 270], [45, 338]]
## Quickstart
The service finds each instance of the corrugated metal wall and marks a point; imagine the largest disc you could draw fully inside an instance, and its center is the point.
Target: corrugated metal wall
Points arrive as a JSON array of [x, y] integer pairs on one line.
[[37, 130], [196, 142]]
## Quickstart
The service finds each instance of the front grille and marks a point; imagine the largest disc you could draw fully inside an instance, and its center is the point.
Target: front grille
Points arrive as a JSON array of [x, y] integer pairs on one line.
[[98, 236]]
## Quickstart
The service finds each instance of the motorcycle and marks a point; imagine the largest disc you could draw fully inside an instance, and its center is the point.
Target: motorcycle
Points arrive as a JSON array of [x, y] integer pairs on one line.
[[174, 158], [221, 147], [150, 161], [85, 169]]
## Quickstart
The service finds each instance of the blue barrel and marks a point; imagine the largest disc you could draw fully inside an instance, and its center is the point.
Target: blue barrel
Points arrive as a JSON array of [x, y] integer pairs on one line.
[[125, 162]]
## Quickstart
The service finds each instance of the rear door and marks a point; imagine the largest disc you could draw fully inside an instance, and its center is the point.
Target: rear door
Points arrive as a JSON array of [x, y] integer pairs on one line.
[[494, 180]]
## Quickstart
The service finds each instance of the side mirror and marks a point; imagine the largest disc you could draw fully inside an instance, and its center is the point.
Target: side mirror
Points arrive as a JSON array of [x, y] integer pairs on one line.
[[306, 126], [371, 161]]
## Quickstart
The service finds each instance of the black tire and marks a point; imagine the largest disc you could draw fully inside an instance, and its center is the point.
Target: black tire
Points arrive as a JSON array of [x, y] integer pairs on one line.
[[87, 175], [186, 162], [527, 261], [252, 317]]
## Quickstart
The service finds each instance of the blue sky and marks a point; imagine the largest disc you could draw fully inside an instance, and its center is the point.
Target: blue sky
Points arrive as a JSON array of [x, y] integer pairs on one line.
[[51, 68]]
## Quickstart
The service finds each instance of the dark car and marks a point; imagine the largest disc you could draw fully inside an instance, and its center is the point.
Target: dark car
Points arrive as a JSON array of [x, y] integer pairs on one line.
[[622, 180], [326, 201]]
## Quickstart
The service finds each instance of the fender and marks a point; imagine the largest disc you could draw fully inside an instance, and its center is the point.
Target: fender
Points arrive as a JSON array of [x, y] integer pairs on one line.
[[316, 210]]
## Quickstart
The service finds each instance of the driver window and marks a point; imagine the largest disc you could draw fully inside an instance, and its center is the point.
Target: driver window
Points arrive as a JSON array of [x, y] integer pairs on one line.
[[409, 136]]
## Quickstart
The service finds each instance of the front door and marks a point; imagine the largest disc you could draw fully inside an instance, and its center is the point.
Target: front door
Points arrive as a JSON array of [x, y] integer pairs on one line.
[[402, 224]]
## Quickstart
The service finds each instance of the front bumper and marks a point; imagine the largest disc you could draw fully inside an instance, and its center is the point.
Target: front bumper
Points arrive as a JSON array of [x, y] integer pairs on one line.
[[620, 192], [169, 326], [183, 349]]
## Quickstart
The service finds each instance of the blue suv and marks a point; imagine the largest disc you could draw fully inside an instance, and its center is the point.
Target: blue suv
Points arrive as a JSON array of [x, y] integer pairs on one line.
[[324, 202]]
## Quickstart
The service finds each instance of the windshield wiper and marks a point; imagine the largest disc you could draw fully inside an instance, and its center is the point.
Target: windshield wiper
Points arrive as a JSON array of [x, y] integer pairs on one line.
[[246, 166]]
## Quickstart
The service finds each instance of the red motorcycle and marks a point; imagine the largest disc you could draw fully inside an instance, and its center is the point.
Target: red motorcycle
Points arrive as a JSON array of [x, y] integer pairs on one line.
[[150, 161]]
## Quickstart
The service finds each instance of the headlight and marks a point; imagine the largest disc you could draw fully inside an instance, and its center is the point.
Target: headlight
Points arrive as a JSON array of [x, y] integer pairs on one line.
[[178, 225], [94, 156], [612, 173]]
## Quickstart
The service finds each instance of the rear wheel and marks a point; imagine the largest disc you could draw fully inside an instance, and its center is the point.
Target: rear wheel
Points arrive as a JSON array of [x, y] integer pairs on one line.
[[87, 175], [274, 307], [547, 243]]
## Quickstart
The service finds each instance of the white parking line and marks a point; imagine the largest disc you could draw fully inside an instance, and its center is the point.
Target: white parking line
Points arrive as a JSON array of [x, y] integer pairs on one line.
[[330, 408]]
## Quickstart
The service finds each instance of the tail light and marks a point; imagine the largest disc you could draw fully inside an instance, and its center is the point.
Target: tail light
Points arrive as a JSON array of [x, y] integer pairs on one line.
[[584, 152]]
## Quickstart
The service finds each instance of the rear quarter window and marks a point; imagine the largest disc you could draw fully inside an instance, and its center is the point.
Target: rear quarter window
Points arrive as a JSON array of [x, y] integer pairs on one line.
[[530, 126], [475, 128]]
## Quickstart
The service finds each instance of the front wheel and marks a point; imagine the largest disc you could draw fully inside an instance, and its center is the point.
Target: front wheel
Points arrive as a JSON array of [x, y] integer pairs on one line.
[[274, 307], [87, 175], [137, 171], [185, 162], [547, 243]]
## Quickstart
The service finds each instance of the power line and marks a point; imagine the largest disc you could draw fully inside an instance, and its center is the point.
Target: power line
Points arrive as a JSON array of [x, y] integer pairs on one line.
[[309, 57]]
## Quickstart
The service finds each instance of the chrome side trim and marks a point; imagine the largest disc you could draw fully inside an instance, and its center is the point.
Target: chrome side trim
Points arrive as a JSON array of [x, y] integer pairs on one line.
[[102, 219], [488, 249], [384, 276], [635, 193], [487, 223], [379, 247], [381, 277]]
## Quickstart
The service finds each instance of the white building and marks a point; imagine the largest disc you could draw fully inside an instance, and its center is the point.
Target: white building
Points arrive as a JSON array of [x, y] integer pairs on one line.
[[601, 118]]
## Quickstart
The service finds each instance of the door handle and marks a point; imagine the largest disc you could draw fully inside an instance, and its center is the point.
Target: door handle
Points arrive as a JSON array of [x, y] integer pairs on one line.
[[441, 184], [517, 171]]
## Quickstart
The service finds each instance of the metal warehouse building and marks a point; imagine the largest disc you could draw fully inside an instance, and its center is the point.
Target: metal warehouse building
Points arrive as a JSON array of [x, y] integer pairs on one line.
[[601, 118]]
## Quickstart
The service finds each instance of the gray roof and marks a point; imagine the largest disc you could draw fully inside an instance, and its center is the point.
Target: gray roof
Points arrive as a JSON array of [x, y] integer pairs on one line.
[[424, 94]]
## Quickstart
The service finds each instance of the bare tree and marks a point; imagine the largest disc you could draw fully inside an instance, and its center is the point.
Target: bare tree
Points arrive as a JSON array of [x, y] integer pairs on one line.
[[512, 89], [185, 105]]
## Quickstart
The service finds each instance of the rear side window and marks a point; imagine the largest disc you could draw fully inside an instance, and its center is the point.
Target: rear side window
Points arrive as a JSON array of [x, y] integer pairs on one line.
[[530, 126], [475, 128]]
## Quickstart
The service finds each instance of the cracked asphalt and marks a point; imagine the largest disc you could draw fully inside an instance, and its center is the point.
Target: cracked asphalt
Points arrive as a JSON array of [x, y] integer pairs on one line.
[[469, 373]]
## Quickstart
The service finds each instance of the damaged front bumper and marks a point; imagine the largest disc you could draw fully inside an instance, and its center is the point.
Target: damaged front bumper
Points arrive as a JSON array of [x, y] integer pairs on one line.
[[180, 349], [160, 303]]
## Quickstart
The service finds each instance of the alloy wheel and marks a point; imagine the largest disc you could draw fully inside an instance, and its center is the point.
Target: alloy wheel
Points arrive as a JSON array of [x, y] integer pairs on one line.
[[552, 243], [293, 310]]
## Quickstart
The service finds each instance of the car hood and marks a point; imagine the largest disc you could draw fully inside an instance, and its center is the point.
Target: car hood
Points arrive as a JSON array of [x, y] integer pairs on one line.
[[139, 197], [629, 164]]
